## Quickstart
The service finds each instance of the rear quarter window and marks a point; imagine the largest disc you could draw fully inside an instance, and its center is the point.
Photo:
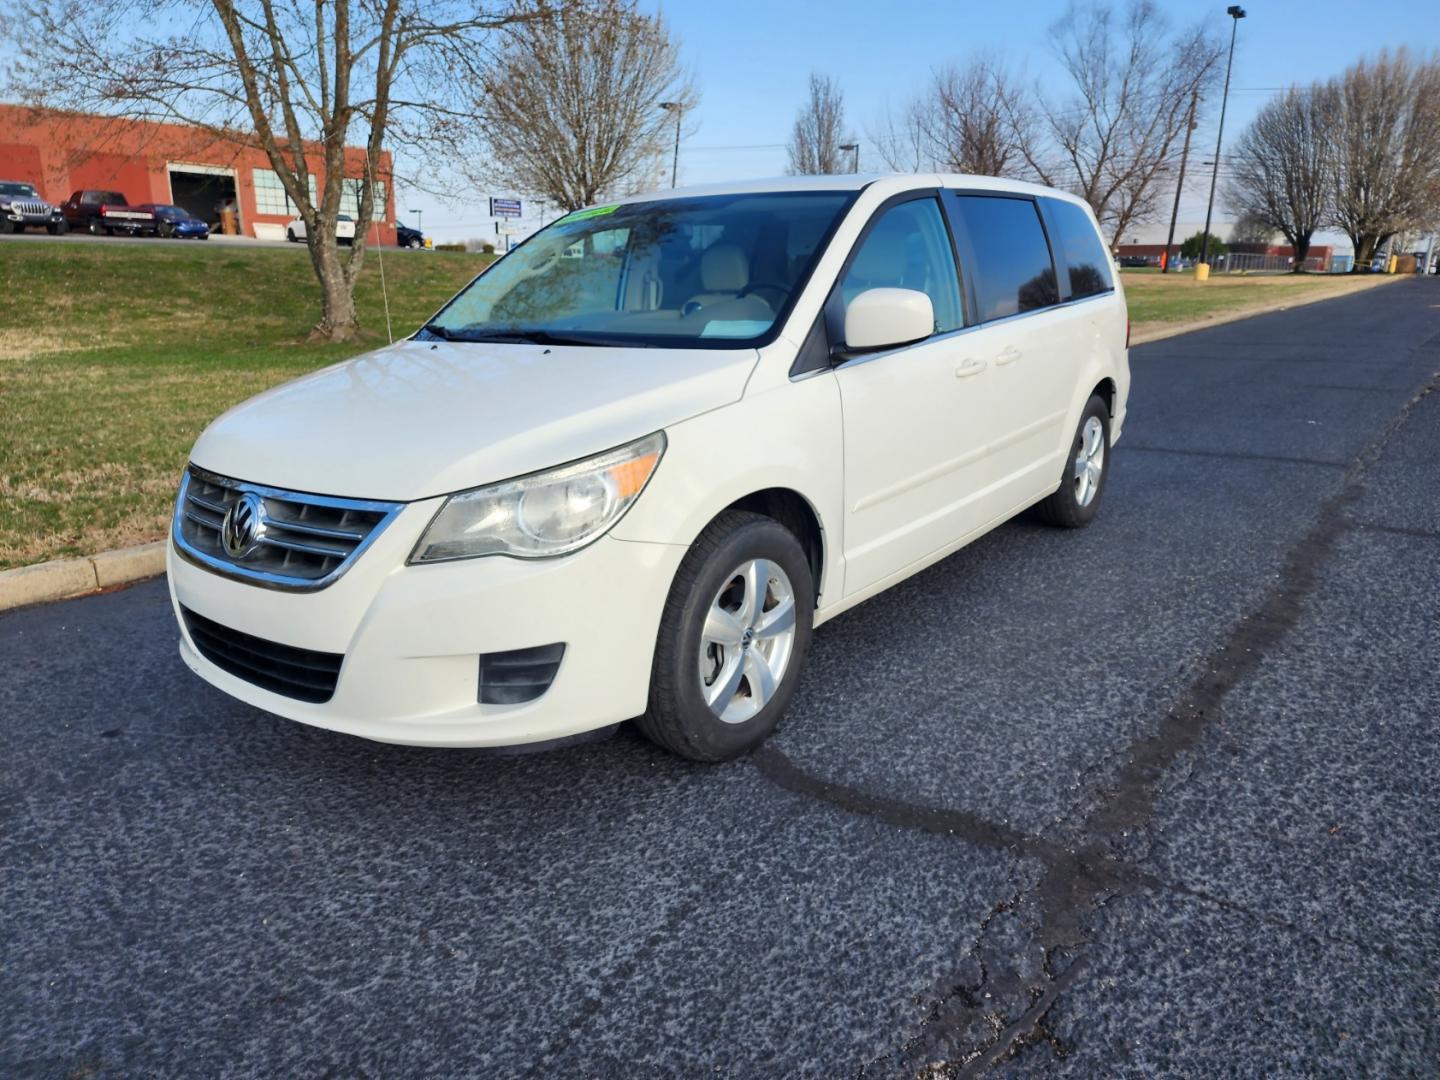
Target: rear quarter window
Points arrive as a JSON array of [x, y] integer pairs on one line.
[[1081, 250]]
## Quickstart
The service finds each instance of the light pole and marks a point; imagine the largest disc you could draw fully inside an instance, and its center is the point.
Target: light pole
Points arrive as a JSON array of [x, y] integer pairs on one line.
[[419, 219], [1236, 13], [855, 146], [1180, 183], [677, 108]]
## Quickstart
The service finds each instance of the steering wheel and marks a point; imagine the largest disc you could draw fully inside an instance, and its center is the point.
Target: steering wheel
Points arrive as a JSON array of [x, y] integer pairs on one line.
[[782, 290]]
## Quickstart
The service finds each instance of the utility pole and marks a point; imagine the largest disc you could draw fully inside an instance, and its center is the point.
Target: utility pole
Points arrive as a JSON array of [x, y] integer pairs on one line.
[[1236, 13], [677, 108], [1180, 184]]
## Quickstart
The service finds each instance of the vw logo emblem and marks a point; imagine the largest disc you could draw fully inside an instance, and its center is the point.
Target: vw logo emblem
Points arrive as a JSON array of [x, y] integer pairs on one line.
[[243, 526]]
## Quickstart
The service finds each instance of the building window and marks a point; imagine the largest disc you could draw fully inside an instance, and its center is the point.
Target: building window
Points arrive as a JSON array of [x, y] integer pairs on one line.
[[270, 196], [350, 192]]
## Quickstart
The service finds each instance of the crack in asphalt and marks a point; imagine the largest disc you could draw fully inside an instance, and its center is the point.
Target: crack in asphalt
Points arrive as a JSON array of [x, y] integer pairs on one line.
[[1235, 455], [1074, 882]]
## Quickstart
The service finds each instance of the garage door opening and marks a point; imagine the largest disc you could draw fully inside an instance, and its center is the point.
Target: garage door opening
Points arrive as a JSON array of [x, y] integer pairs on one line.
[[202, 194]]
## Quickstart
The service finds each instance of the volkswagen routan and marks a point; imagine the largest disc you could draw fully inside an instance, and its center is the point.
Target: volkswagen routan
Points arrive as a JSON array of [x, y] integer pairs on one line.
[[633, 464]]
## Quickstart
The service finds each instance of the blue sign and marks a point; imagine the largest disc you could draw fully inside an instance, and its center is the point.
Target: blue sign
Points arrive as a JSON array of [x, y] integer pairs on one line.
[[505, 208]]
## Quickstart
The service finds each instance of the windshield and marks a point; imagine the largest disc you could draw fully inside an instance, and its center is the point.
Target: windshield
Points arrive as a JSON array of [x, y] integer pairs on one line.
[[715, 269], [24, 191]]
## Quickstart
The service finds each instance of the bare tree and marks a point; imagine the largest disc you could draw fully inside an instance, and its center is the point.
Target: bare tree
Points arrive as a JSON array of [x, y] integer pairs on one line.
[[1114, 139], [975, 118], [820, 130], [898, 136], [1385, 141], [1280, 167], [297, 79], [572, 110]]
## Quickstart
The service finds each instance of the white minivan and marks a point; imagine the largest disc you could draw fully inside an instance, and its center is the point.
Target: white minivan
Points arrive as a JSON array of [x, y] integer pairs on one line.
[[629, 468]]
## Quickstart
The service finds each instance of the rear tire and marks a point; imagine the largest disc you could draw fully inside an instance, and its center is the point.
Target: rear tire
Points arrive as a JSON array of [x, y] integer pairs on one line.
[[1082, 484], [96, 229], [713, 590], [290, 235]]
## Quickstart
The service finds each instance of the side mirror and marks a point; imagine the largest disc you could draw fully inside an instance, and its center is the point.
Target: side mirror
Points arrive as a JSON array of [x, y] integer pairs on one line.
[[886, 318]]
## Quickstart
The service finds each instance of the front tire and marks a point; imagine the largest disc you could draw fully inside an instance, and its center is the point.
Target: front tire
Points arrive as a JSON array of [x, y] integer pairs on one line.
[[290, 235], [58, 228], [733, 639], [1077, 500], [96, 229]]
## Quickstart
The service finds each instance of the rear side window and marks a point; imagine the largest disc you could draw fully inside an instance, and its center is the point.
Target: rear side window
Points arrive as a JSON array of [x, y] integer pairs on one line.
[[1083, 251], [1012, 270], [909, 248]]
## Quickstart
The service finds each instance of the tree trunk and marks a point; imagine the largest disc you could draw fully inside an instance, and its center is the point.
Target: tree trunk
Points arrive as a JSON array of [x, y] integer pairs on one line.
[[1302, 250], [338, 321]]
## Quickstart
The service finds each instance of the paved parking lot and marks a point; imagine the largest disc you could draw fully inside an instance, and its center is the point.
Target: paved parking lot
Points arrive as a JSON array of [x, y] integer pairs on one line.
[[1157, 798]]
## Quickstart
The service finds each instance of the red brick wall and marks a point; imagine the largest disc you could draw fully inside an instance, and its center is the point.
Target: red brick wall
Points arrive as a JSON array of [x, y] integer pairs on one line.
[[61, 152]]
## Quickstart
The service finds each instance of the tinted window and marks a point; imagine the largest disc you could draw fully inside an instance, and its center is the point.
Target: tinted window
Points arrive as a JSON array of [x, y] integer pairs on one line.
[[909, 248], [1084, 253], [1012, 271]]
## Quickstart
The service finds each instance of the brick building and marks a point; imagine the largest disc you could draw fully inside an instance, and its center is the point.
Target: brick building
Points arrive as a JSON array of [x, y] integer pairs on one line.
[[169, 163]]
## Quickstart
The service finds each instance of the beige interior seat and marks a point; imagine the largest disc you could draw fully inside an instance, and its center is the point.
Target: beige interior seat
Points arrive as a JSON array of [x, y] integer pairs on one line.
[[724, 273]]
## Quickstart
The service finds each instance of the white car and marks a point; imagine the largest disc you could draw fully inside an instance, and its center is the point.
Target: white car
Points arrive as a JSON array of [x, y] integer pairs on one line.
[[344, 230], [628, 483]]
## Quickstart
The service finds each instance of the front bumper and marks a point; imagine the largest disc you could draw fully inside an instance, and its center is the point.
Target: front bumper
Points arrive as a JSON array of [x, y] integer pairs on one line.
[[412, 636], [32, 221]]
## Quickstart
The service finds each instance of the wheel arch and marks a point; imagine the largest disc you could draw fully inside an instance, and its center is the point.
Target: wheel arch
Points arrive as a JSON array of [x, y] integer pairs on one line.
[[1106, 391], [793, 510]]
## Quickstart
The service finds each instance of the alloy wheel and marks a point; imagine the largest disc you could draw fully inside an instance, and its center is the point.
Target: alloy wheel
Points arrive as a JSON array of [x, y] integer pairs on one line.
[[1089, 461], [747, 640]]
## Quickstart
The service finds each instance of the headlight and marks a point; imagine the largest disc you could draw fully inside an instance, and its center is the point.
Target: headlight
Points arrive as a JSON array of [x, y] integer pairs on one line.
[[549, 513]]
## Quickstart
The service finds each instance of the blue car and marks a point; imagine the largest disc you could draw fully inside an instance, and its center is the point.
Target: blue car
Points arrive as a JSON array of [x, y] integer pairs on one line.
[[176, 221]]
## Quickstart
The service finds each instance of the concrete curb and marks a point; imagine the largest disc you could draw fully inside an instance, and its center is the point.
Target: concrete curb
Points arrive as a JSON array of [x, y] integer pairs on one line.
[[1168, 330], [64, 578]]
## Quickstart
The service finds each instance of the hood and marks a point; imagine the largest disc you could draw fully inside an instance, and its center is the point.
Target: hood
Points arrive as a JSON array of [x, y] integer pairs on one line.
[[418, 418]]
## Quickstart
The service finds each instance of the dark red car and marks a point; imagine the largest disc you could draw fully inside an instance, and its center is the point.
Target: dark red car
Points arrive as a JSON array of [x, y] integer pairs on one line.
[[105, 213]]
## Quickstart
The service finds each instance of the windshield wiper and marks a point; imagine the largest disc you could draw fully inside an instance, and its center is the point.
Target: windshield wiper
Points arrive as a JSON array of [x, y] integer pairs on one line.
[[512, 337]]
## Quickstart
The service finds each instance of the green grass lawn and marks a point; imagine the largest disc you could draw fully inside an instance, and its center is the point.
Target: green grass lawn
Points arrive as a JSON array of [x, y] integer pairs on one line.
[[113, 357], [1171, 298]]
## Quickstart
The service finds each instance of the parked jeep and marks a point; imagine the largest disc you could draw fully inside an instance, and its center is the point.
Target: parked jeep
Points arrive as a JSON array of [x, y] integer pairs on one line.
[[105, 213], [21, 208]]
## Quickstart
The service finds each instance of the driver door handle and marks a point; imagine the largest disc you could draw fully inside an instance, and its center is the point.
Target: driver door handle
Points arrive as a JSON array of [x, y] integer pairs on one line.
[[1009, 355], [968, 368]]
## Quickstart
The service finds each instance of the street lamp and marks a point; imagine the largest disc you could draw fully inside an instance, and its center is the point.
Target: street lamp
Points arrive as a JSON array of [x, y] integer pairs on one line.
[[419, 218], [1236, 13], [677, 108], [855, 146]]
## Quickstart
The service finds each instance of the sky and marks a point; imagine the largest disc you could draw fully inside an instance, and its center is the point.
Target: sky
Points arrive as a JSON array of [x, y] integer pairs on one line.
[[752, 61]]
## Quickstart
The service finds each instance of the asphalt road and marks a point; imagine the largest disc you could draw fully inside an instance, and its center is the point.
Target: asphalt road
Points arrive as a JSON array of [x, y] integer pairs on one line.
[[1153, 799]]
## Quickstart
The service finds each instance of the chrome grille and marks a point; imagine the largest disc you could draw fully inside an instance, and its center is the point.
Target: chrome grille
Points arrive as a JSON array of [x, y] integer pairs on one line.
[[307, 541], [33, 209]]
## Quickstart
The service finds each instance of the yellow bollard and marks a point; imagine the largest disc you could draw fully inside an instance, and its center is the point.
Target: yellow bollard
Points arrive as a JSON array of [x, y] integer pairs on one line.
[[1393, 265], [1202, 271]]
